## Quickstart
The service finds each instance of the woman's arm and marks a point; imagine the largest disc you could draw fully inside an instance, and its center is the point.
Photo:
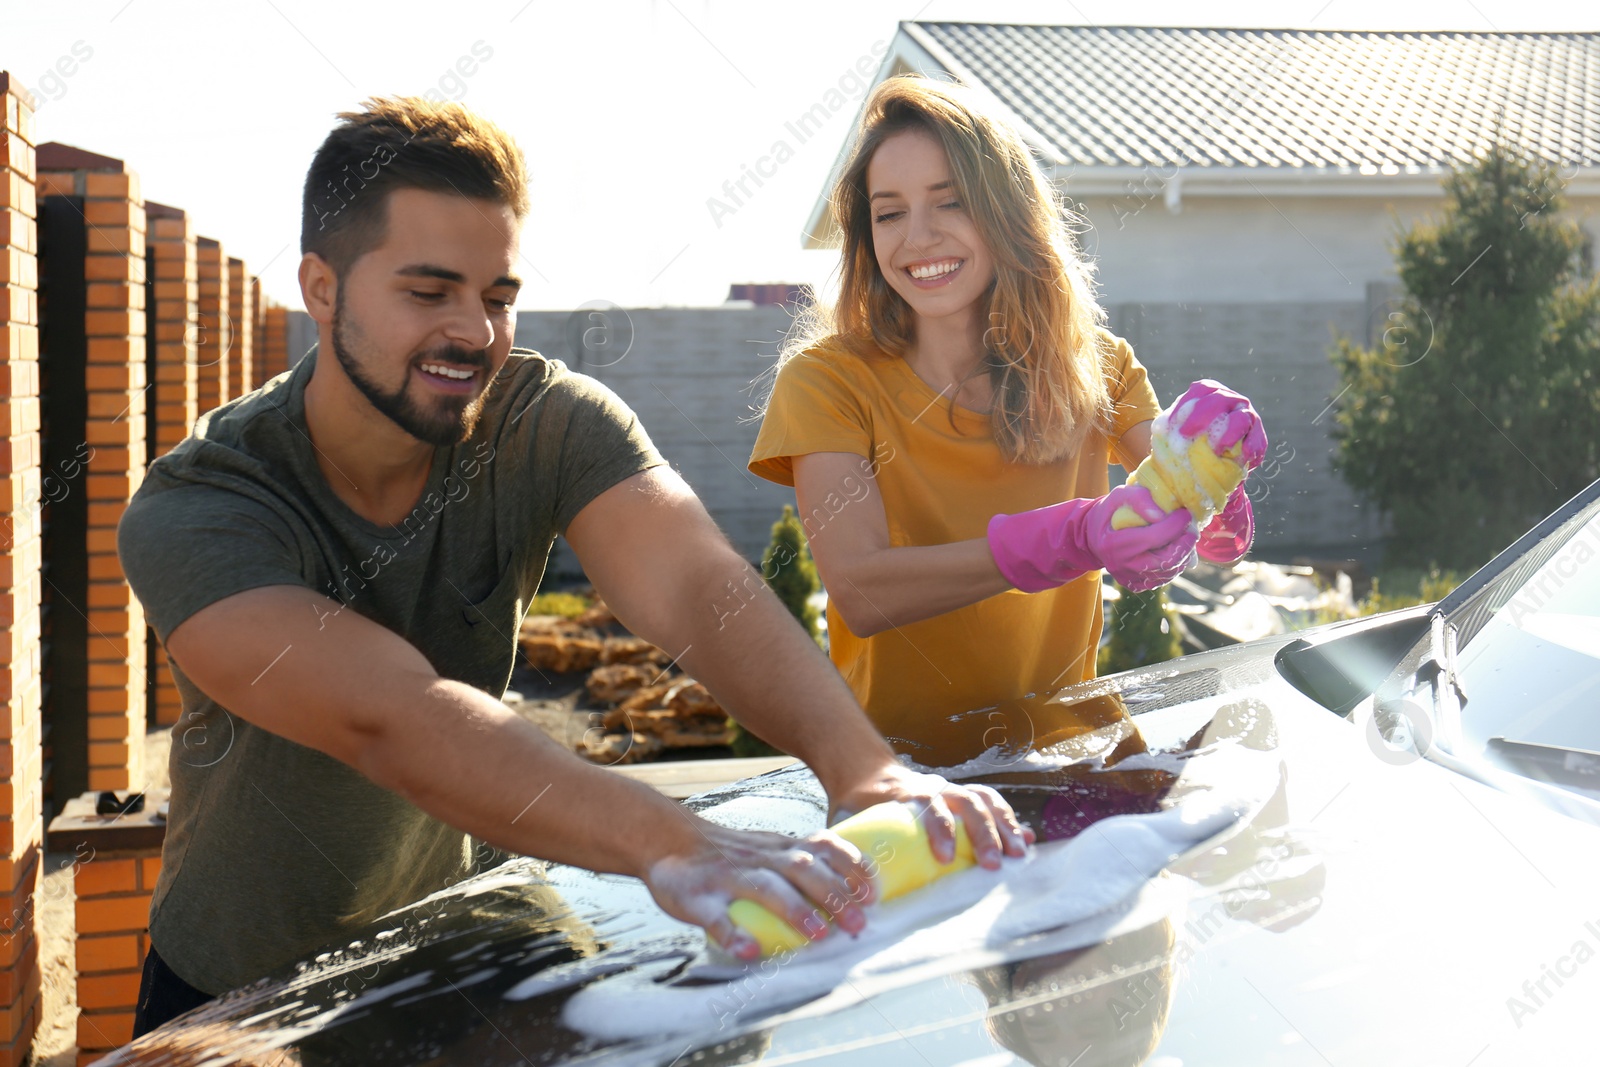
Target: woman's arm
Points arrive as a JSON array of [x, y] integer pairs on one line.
[[1135, 444], [873, 586], [876, 587]]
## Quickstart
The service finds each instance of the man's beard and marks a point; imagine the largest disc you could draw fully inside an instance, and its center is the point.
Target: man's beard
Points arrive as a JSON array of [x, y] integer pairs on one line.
[[447, 420]]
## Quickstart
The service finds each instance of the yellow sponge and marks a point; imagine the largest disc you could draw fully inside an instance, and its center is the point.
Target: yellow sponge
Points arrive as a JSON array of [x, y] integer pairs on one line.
[[895, 845], [1184, 474]]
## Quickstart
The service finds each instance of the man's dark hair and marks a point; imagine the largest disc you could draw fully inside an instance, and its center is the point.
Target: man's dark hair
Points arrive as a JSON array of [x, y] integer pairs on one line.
[[404, 142]]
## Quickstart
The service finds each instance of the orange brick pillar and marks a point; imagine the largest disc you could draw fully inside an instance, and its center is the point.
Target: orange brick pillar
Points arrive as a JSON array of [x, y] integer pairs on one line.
[[116, 381], [174, 261], [115, 863], [241, 312], [20, 583], [258, 333], [112, 451], [277, 340], [175, 390], [212, 341]]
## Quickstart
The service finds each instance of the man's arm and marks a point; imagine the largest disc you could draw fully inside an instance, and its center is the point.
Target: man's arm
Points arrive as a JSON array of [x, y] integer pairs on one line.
[[668, 573], [285, 659]]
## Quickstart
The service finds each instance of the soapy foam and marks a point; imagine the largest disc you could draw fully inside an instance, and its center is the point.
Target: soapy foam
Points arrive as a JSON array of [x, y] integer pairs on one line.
[[998, 760], [1064, 895], [1175, 458], [995, 760], [952, 925]]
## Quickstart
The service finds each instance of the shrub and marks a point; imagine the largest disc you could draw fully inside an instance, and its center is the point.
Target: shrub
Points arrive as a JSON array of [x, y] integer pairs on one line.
[[567, 605], [1416, 587], [1144, 630], [789, 569], [1475, 414]]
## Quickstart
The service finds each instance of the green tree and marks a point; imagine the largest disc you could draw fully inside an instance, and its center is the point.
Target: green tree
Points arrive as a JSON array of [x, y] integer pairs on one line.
[[789, 569], [1144, 630], [1476, 414]]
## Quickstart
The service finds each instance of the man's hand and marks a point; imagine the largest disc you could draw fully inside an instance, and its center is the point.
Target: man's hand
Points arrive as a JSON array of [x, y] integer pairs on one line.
[[347, 687], [777, 872], [661, 565], [991, 825]]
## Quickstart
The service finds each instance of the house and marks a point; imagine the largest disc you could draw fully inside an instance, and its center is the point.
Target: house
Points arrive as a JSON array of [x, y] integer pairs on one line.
[[1243, 189]]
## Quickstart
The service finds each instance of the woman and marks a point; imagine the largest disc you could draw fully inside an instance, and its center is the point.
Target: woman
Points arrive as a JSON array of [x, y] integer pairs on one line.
[[948, 425]]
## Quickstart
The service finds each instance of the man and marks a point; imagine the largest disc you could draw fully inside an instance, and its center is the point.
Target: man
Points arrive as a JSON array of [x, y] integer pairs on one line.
[[337, 564]]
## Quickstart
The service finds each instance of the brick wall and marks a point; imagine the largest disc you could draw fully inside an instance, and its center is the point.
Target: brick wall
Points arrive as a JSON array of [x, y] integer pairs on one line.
[[213, 342], [241, 316], [109, 309], [175, 262], [20, 748]]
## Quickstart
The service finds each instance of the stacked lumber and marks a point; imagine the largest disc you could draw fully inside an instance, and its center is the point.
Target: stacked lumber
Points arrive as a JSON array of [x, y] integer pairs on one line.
[[643, 708], [678, 711], [560, 645]]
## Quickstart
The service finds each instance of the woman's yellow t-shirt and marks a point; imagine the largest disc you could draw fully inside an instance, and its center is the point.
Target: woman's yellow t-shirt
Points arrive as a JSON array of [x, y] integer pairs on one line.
[[931, 686]]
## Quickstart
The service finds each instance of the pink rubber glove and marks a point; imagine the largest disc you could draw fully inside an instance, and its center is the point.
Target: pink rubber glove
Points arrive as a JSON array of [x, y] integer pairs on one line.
[[1228, 537], [1214, 401], [1050, 546]]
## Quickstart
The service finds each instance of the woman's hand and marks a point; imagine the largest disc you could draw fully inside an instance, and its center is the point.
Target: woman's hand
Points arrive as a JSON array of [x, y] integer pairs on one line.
[[1050, 546], [1239, 424], [1141, 558], [1229, 535]]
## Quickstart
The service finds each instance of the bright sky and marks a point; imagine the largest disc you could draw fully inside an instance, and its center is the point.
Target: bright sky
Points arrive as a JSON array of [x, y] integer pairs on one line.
[[632, 113]]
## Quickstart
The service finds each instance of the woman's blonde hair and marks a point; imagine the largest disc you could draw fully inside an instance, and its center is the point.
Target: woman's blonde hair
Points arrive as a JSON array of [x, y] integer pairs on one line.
[[1043, 344]]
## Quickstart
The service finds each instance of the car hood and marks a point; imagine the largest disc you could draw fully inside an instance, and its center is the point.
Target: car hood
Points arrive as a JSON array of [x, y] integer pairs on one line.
[[1377, 909]]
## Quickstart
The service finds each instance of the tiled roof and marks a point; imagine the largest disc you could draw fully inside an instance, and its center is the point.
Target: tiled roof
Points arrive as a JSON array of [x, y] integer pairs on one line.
[[1133, 95]]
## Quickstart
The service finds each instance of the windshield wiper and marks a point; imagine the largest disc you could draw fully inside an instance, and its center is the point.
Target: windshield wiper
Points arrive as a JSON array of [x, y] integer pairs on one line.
[[1556, 764], [1439, 672]]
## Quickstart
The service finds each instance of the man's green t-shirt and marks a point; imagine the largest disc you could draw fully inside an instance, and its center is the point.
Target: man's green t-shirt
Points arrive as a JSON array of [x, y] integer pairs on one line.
[[273, 848]]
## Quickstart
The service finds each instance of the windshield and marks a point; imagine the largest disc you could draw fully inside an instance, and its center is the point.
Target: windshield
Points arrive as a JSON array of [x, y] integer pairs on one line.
[[1529, 655]]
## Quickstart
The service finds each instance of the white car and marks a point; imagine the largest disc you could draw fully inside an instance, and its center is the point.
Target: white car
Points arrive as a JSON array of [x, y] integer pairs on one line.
[[1418, 886]]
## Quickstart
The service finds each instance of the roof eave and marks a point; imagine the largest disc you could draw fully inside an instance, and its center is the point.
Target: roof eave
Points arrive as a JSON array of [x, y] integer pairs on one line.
[[820, 231], [1149, 181], [916, 51]]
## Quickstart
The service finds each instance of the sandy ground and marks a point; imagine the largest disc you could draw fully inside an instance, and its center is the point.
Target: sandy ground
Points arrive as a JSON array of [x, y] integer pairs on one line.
[[55, 1043]]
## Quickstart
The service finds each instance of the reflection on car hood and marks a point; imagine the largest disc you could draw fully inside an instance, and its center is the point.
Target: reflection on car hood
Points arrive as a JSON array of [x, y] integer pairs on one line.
[[1372, 913]]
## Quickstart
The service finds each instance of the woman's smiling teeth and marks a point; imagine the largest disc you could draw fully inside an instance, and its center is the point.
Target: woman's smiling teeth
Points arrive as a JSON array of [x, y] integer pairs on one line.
[[446, 372], [938, 269]]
